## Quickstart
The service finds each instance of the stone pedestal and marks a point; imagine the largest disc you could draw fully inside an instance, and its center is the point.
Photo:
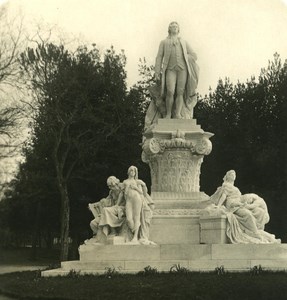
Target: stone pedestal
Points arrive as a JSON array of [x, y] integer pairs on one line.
[[213, 230], [174, 150], [175, 229], [96, 258]]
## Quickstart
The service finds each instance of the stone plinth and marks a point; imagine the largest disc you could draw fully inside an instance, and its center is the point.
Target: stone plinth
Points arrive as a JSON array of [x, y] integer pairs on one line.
[[174, 150], [213, 230], [115, 240], [176, 228], [100, 252], [95, 259], [176, 217]]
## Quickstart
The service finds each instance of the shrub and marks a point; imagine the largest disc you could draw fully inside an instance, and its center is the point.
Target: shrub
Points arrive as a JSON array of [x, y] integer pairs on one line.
[[74, 274], [148, 270], [256, 270], [220, 270], [178, 269]]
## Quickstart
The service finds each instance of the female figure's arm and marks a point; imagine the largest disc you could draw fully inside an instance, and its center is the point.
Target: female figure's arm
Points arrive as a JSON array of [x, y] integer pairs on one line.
[[221, 199], [143, 187], [120, 199]]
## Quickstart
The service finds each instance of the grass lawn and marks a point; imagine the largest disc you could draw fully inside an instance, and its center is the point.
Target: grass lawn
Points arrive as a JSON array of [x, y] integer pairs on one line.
[[147, 285], [243, 286]]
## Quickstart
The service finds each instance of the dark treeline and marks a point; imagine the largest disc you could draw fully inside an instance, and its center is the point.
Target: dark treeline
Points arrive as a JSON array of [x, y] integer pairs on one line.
[[249, 121], [87, 125]]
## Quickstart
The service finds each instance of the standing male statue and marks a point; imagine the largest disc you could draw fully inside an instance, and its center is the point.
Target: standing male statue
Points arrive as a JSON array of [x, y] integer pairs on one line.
[[177, 72]]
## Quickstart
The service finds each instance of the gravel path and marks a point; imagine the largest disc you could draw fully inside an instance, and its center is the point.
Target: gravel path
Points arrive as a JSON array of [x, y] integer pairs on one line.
[[18, 268]]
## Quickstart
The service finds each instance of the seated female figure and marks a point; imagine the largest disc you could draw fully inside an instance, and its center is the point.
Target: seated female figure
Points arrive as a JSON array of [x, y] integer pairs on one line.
[[246, 214]]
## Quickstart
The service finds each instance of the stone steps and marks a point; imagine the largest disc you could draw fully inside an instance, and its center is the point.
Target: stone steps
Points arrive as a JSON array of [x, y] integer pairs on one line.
[[96, 258], [100, 252], [133, 267]]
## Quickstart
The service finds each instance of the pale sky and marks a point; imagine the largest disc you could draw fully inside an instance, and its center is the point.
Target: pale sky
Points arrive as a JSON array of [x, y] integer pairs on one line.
[[232, 38]]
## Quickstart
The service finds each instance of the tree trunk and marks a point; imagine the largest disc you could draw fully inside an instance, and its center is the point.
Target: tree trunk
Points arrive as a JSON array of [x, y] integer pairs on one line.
[[65, 219], [49, 240], [35, 235]]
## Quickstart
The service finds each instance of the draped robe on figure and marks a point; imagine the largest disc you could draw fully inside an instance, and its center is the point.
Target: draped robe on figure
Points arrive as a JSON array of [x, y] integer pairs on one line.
[[244, 225]]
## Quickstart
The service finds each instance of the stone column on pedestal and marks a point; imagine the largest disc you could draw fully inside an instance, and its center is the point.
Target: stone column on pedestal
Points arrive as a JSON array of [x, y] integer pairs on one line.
[[174, 150]]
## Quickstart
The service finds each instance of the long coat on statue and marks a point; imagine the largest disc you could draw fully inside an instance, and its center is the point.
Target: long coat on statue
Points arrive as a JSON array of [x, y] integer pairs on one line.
[[190, 58], [158, 93]]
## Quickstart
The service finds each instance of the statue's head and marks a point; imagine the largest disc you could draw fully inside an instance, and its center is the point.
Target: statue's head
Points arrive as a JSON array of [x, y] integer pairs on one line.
[[133, 172], [173, 27], [112, 182], [230, 176]]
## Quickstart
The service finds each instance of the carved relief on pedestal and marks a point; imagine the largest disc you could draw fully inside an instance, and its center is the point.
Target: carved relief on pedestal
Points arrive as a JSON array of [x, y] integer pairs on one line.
[[151, 146], [175, 158], [203, 146], [175, 171], [176, 212]]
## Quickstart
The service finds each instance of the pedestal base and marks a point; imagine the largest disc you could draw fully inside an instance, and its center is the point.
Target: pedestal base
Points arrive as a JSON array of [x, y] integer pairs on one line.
[[95, 259], [175, 229], [213, 230], [176, 217]]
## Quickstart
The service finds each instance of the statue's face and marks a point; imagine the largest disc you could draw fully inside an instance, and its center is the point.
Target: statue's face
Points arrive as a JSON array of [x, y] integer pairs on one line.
[[132, 172], [173, 28], [113, 184], [231, 175]]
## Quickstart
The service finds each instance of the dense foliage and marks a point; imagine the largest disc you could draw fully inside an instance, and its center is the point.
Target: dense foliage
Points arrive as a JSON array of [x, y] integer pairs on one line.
[[87, 126], [249, 121]]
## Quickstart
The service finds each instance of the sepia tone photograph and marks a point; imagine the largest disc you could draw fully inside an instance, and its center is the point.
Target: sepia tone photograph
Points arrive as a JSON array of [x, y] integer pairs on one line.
[[143, 149]]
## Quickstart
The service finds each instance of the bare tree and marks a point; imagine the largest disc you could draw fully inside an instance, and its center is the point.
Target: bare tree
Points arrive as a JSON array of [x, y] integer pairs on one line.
[[12, 41]]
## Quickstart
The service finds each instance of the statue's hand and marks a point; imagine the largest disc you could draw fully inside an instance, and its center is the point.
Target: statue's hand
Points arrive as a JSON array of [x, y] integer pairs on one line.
[[136, 189]]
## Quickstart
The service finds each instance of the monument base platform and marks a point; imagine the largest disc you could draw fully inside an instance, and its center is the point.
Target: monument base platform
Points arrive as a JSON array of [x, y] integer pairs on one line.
[[97, 258]]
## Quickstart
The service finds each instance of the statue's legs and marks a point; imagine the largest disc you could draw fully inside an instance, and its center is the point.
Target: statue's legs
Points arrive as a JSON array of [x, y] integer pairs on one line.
[[136, 217], [129, 215], [94, 226], [248, 222], [180, 86], [175, 78], [133, 210], [170, 89]]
